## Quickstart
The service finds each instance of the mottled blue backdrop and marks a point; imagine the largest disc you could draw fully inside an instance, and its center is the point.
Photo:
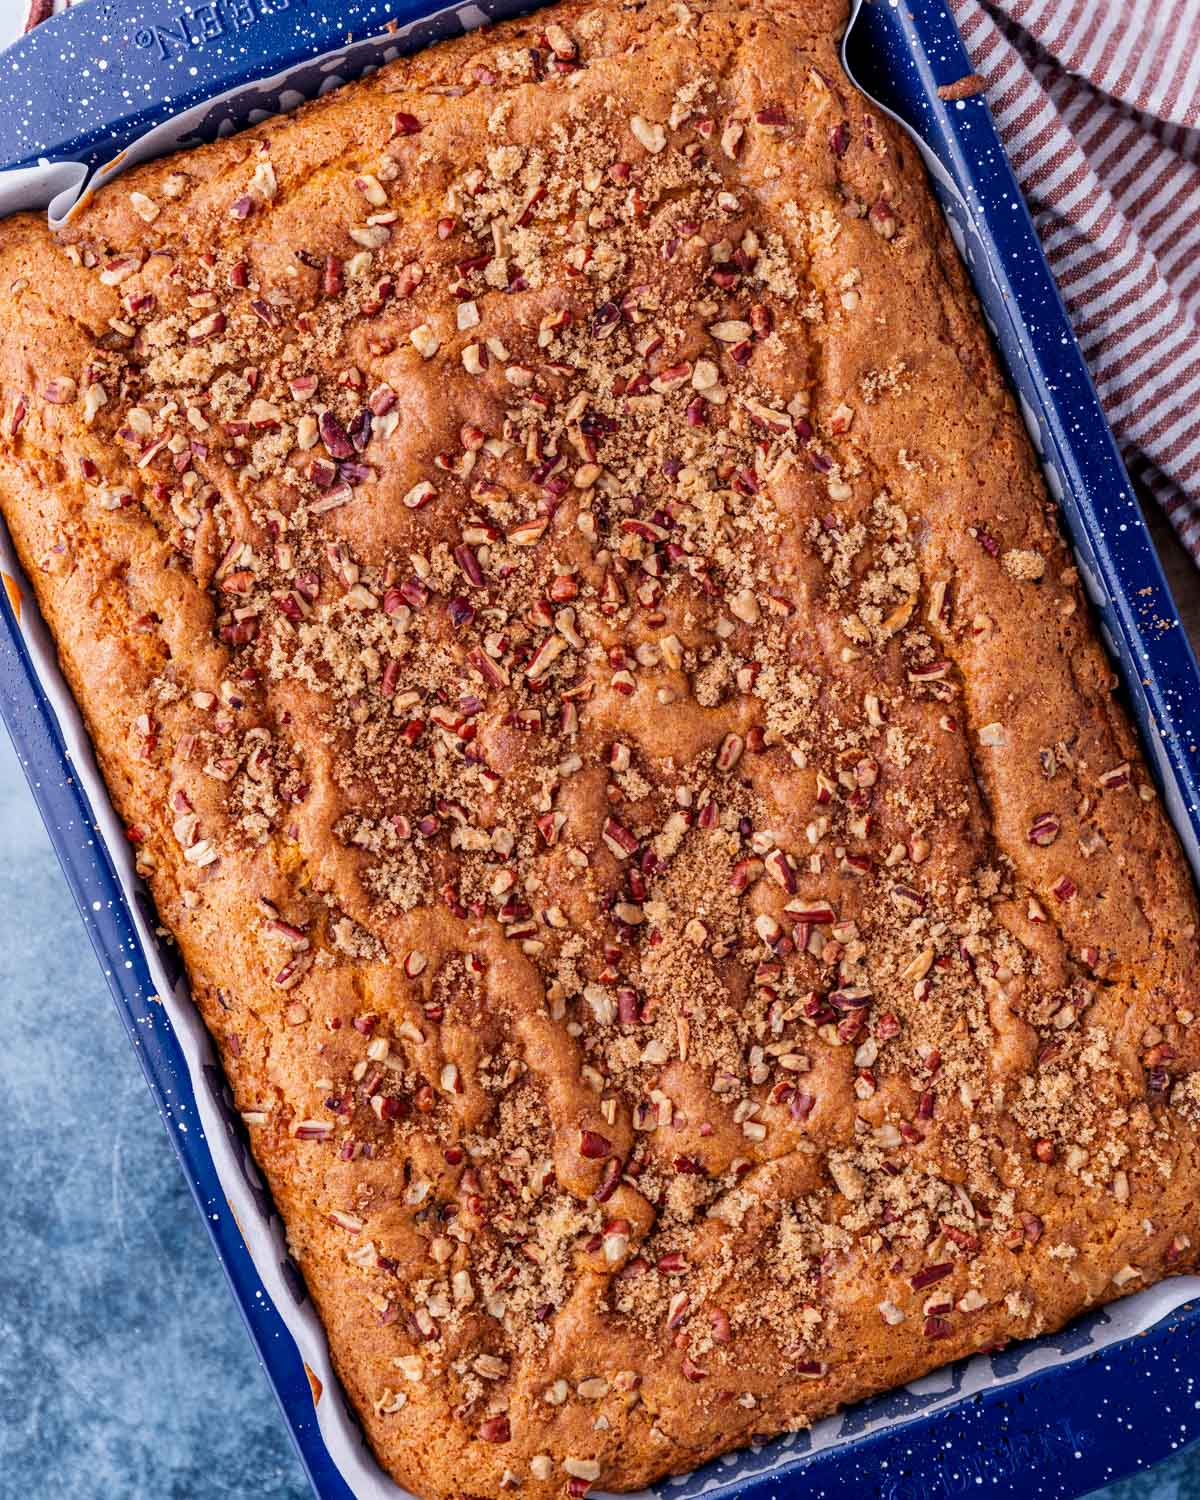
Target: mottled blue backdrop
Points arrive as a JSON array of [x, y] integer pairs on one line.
[[124, 1370]]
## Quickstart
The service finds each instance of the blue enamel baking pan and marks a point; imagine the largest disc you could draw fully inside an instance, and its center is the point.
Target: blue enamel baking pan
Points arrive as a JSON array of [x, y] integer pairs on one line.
[[85, 88]]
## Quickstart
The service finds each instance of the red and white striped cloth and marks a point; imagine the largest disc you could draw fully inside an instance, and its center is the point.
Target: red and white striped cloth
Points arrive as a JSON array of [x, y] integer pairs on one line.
[[1098, 102]]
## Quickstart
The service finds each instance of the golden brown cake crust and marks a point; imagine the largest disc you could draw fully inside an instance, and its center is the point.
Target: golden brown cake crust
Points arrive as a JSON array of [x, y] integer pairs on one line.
[[567, 609]]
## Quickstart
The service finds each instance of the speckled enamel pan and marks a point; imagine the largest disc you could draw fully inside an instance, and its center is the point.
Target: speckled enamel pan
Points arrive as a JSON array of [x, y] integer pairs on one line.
[[114, 81]]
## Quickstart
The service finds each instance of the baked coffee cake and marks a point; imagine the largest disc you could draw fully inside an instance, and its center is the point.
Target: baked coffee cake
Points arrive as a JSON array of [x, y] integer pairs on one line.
[[568, 612]]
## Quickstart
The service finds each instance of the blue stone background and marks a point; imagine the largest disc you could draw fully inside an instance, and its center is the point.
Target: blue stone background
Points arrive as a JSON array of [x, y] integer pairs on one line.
[[124, 1369]]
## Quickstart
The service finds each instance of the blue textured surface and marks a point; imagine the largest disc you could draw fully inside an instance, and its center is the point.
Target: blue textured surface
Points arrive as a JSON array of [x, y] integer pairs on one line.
[[124, 1369], [1054, 1434], [89, 873], [137, 63]]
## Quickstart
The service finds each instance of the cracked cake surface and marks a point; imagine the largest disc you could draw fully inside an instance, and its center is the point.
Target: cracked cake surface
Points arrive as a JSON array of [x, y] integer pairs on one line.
[[568, 612]]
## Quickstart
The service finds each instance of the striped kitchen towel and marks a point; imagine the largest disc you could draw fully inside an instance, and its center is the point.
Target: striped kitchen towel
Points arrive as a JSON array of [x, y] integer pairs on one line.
[[1098, 102]]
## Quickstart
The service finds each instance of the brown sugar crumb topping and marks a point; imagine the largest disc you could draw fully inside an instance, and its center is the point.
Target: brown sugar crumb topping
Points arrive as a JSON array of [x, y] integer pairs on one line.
[[559, 632]]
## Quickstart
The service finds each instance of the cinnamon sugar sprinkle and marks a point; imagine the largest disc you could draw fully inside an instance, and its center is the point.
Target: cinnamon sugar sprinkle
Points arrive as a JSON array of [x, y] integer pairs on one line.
[[561, 694]]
